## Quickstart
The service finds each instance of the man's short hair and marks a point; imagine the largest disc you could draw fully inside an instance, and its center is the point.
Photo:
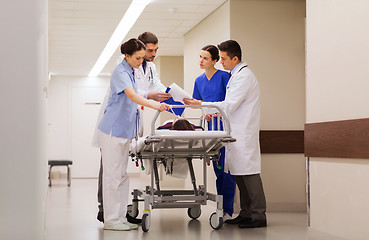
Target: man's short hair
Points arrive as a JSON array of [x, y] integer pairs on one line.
[[232, 48], [148, 37]]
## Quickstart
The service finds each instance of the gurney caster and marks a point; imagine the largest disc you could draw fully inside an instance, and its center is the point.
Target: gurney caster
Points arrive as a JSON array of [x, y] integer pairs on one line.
[[194, 212], [145, 222], [215, 221], [132, 210]]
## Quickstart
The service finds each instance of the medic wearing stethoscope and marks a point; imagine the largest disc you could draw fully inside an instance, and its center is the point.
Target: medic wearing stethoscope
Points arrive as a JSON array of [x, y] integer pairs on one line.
[[242, 158], [147, 78]]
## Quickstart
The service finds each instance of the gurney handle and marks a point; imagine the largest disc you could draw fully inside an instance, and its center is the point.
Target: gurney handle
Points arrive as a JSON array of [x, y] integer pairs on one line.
[[153, 140], [228, 139]]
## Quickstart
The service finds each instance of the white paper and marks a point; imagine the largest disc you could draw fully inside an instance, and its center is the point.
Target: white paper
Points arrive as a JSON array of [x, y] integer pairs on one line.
[[178, 93]]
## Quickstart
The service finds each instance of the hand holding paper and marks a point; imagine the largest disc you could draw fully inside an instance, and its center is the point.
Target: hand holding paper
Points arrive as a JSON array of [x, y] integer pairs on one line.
[[178, 93], [158, 96], [206, 110]]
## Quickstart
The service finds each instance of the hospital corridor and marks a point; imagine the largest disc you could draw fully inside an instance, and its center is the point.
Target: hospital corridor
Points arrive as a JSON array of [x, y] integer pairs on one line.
[[158, 119], [71, 214]]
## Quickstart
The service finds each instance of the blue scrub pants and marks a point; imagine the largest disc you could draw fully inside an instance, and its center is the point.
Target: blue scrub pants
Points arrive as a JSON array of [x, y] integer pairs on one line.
[[226, 184]]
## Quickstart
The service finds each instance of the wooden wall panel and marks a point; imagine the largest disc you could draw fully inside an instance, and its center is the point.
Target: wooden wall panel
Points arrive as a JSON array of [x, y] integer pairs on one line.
[[338, 139], [282, 141]]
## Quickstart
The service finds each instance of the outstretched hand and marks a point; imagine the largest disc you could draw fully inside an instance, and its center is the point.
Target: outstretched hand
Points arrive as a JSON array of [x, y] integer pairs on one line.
[[191, 101], [162, 107], [158, 96]]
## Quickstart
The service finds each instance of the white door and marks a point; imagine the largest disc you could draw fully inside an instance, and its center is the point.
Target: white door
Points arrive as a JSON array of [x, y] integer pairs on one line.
[[85, 105]]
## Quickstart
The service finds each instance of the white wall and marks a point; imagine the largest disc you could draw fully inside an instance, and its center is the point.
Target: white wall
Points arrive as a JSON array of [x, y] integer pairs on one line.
[[212, 30], [337, 89], [59, 111], [60, 129], [23, 75], [272, 37]]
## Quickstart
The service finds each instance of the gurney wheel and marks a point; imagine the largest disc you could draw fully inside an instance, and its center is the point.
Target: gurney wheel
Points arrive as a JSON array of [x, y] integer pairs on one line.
[[194, 213], [145, 222], [215, 222], [130, 211]]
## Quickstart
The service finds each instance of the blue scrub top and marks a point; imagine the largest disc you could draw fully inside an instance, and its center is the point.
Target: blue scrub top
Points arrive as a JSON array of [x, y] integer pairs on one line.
[[213, 90], [120, 114]]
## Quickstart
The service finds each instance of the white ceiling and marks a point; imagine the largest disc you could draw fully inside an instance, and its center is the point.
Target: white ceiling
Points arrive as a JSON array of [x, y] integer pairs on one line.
[[80, 29]]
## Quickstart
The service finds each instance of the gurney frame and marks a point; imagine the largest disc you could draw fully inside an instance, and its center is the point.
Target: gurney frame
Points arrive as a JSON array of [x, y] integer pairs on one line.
[[160, 147]]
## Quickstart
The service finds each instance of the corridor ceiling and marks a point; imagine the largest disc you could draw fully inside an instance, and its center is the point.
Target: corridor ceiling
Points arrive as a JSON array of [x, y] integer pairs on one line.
[[80, 29]]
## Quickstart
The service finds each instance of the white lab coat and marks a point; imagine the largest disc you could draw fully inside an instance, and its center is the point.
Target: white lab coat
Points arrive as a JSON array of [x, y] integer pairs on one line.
[[148, 81], [242, 106]]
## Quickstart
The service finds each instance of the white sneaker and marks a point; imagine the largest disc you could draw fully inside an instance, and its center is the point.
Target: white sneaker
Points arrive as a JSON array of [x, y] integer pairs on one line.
[[131, 225], [226, 216], [118, 227]]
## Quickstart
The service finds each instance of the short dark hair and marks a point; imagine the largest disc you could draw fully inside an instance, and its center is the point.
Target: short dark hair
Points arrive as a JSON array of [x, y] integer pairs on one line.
[[131, 46], [182, 124], [232, 48], [148, 37], [213, 50]]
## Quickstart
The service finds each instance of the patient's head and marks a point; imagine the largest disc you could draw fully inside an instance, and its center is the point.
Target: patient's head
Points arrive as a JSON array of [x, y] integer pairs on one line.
[[182, 124]]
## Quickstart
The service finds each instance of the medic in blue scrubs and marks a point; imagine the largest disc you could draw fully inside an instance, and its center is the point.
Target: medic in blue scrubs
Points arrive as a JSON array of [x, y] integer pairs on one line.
[[211, 87], [116, 129]]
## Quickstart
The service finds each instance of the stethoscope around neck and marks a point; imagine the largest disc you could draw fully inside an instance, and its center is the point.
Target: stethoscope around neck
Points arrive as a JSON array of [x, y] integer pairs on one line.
[[151, 76]]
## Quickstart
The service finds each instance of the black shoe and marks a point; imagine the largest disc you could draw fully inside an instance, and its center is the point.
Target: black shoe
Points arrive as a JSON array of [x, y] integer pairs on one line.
[[131, 219], [237, 220], [100, 216], [253, 223]]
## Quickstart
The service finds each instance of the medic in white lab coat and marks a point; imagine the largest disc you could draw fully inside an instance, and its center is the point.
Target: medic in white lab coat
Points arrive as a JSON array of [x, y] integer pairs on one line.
[[242, 159], [242, 106]]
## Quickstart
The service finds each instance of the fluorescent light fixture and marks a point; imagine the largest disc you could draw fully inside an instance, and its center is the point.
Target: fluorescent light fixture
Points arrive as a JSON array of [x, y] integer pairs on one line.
[[133, 12]]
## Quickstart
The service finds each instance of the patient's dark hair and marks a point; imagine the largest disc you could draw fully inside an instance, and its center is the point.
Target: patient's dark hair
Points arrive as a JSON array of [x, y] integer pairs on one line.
[[182, 124]]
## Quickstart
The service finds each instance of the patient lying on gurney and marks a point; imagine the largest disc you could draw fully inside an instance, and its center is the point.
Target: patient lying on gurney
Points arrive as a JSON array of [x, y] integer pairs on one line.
[[179, 124], [180, 165]]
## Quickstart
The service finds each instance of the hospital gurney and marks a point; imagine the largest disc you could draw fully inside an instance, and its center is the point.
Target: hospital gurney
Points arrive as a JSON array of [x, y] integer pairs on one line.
[[165, 146]]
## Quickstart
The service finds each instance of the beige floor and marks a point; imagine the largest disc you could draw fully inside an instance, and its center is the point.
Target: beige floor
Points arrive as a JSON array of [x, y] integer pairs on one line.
[[71, 214]]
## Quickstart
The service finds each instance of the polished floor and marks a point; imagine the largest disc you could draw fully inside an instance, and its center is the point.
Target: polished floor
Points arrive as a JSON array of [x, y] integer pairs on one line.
[[71, 214]]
